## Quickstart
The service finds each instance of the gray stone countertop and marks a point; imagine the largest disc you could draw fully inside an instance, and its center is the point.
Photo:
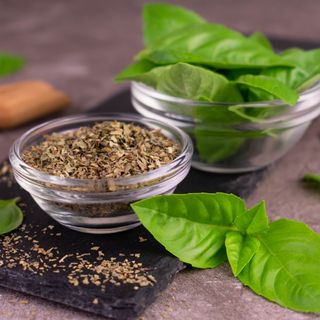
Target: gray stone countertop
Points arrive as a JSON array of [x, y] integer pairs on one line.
[[79, 45]]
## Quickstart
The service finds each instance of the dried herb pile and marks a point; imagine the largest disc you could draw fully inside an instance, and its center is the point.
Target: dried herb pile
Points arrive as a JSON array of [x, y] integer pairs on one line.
[[88, 268], [106, 150], [6, 174]]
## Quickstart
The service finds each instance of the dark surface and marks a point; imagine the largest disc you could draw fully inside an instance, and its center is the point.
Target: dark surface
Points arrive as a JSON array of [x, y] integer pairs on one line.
[[122, 302]]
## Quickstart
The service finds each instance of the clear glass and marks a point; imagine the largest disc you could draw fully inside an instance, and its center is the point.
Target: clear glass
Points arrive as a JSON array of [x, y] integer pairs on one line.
[[232, 138], [97, 206]]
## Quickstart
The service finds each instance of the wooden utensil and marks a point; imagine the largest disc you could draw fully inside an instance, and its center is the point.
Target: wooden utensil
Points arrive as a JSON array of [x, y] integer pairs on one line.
[[28, 100]]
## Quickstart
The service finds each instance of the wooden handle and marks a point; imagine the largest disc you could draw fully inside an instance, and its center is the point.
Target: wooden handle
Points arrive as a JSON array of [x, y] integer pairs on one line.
[[25, 101]]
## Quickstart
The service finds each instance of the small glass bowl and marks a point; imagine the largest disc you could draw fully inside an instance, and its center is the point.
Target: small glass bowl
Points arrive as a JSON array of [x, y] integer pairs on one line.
[[97, 206], [232, 137]]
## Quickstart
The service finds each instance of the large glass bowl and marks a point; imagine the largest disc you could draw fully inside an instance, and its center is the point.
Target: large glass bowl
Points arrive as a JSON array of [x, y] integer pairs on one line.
[[231, 138], [97, 206]]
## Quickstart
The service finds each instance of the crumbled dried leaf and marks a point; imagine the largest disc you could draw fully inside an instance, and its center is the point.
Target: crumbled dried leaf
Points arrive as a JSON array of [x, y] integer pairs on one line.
[[100, 271], [106, 150]]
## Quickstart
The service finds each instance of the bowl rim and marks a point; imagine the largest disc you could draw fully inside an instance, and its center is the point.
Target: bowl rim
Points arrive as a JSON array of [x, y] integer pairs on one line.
[[151, 92], [22, 167]]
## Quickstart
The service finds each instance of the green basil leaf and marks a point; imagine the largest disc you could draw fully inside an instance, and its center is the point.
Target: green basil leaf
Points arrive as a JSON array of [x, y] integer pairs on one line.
[[213, 147], [285, 269], [196, 83], [271, 86], [240, 250], [134, 70], [305, 59], [306, 71], [254, 220], [10, 63], [191, 226], [161, 19], [234, 74], [261, 39], [190, 82], [310, 81], [312, 178], [258, 114], [212, 45], [216, 116], [11, 216], [215, 144], [292, 77]]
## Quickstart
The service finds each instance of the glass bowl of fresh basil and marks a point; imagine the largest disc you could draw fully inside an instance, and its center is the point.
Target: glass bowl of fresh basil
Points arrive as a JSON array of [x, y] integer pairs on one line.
[[243, 102], [232, 137]]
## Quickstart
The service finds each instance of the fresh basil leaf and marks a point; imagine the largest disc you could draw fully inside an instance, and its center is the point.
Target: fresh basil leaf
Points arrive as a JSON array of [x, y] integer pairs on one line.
[[312, 178], [213, 147], [216, 143], [307, 67], [258, 95], [191, 226], [285, 269], [134, 70], [161, 19], [254, 220], [310, 81], [212, 45], [216, 116], [261, 39], [292, 77], [190, 82], [234, 74], [11, 216], [258, 114], [240, 250], [271, 86], [196, 83], [305, 59], [10, 63]]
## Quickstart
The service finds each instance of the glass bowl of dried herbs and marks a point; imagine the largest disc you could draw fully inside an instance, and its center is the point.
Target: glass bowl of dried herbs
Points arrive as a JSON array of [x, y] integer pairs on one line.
[[85, 170]]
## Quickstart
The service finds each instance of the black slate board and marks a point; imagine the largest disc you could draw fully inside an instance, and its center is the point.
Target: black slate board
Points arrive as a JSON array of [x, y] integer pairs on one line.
[[122, 302]]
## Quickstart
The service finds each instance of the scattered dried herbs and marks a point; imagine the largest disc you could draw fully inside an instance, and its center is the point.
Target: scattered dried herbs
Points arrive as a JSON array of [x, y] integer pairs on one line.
[[6, 174], [106, 150], [24, 250]]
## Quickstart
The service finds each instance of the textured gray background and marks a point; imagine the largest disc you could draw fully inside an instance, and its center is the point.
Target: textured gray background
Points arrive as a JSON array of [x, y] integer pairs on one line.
[[79, 45]]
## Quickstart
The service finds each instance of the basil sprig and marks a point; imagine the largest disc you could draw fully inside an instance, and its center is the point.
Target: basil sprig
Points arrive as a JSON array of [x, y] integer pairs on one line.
[[279, 261], [11, 215]]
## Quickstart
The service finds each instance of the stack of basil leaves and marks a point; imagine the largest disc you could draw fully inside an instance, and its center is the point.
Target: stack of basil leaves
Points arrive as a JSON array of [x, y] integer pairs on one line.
[[187, 57]]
